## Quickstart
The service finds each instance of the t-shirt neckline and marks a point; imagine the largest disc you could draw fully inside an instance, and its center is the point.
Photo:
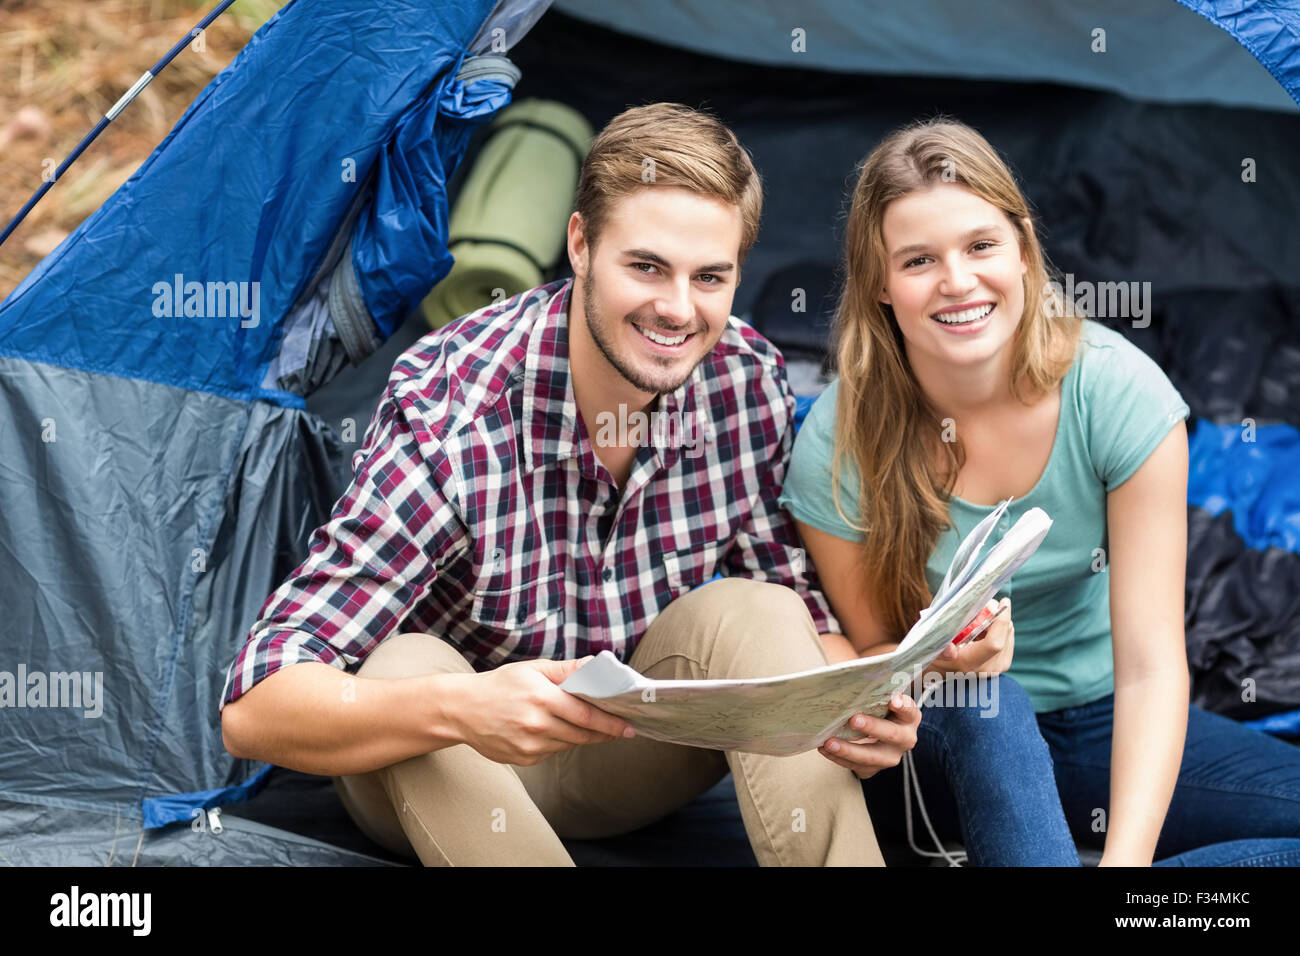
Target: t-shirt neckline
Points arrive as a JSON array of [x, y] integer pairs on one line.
[[1052, 456]]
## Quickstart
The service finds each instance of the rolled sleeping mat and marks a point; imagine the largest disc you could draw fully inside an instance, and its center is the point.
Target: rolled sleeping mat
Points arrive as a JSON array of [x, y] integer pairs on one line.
[[509, 223]]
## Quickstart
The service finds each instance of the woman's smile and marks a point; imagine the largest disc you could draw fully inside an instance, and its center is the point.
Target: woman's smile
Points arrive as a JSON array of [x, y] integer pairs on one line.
[[965, 319]]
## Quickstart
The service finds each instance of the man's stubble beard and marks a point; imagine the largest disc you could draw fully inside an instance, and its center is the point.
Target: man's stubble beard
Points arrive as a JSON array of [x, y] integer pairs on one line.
[[597, 330]]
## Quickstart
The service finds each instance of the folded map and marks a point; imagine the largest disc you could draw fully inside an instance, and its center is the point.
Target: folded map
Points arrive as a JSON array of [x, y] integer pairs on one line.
[[797, 712]]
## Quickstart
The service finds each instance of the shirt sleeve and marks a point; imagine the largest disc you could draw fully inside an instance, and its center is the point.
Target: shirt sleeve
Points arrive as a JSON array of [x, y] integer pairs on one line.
[[1131, 405], [807, 493], [768, 548], [368, 566]]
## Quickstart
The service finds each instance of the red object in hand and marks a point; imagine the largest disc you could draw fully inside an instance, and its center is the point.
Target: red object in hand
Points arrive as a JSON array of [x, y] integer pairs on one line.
[[982, 620]]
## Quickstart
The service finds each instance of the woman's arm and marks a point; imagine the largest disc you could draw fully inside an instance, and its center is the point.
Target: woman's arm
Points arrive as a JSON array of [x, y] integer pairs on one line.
[[888, 737], [1147, 526], [837, 564], [836, 561]]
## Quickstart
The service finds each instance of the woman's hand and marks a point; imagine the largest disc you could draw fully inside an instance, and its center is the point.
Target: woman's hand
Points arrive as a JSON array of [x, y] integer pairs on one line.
[[989, 654], [888, 739]]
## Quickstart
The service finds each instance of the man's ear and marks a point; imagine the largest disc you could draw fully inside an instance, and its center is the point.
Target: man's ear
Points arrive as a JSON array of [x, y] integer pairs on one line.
[[577, 243]]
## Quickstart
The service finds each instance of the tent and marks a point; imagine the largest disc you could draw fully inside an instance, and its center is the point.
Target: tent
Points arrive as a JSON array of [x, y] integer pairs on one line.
[[183, 379]]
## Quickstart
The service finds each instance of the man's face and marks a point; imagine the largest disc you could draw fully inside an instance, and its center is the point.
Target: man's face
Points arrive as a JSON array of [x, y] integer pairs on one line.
[[665, 265]]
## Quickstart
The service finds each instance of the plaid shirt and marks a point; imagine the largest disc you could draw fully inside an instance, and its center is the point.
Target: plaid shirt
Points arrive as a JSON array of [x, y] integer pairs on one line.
[[479, 512]]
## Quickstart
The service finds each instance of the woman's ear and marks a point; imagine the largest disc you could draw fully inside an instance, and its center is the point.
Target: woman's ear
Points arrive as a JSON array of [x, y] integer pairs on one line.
[[884, 297]]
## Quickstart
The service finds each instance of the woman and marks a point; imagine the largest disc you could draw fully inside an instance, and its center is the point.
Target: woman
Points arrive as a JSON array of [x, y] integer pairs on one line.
[[964, 380]]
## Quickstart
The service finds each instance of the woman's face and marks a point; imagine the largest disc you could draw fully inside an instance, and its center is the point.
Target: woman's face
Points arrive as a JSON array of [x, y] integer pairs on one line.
[[953, 275]]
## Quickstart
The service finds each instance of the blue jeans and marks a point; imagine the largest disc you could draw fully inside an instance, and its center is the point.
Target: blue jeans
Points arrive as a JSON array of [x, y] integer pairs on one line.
[[1020, 789]]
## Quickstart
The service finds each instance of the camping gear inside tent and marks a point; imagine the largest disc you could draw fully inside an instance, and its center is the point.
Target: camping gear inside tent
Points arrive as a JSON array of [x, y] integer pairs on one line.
[[183, 380], [529, 160]]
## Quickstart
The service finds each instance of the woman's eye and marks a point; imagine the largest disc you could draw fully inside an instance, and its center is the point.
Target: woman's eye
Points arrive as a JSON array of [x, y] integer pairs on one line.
[[911, 262], [986, 243]]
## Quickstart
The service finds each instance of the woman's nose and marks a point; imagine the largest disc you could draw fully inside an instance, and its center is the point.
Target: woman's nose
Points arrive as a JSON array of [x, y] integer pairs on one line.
[[958, 279]]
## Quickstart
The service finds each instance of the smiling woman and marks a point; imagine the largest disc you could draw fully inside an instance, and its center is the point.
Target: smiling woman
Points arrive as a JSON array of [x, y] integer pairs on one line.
[[963, 381], [938, 231], [948, 283]]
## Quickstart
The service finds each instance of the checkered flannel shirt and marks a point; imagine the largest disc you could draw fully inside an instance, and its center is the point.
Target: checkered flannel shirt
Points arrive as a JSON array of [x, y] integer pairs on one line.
[[479, 511]]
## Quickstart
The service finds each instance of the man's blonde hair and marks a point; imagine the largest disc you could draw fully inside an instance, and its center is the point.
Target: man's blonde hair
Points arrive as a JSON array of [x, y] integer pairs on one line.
[[668, 144]]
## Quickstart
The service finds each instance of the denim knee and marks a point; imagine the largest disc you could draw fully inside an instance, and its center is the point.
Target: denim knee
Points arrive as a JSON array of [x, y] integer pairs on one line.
[[966, 707]]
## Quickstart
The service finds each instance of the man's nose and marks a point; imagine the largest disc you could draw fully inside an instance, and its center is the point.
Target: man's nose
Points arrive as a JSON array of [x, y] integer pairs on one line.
[[675, 304]]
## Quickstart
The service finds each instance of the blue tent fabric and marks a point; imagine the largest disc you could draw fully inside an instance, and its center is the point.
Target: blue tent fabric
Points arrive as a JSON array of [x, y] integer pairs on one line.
[[400, 251], [1279, 725], [163, 475], [1269, 29], [1249, 470], [160, 811], [242, 190]]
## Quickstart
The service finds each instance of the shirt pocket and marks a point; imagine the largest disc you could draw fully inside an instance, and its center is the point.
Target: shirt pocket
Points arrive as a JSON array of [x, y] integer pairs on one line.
[[536, 606], [688, 568]]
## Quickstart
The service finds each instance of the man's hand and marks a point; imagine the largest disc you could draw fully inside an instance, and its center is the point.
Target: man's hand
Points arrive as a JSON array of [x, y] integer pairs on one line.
[[517, 713], [989, 654], [888, 739]]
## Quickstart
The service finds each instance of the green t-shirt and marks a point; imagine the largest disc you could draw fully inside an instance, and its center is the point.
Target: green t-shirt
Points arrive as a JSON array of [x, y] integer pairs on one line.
[[1117, 405]]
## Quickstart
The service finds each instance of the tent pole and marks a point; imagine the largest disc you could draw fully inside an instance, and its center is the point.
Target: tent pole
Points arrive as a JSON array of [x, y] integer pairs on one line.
[[112, 114]]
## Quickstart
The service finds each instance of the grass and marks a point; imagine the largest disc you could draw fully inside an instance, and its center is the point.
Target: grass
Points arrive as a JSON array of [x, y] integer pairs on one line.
[[63, 64]]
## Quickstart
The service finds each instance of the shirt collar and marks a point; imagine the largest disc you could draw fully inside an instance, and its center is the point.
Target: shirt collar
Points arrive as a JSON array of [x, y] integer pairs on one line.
[[549, 409]]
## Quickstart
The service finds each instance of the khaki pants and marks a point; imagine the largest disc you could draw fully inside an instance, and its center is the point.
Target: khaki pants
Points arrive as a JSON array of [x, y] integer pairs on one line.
[[455, 807]]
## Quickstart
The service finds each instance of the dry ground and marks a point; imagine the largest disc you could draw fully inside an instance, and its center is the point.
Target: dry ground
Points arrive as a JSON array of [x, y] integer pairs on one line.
[[63, 64]]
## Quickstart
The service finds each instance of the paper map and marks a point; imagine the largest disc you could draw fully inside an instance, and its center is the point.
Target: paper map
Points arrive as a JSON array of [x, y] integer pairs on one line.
[[794, 713]]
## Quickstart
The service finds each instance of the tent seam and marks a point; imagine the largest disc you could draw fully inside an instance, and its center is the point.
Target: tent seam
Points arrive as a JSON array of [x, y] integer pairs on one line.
[[282, 398]]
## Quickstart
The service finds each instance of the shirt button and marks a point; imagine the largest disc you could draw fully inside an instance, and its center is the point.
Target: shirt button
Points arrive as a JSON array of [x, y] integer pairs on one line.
[[608, 575]]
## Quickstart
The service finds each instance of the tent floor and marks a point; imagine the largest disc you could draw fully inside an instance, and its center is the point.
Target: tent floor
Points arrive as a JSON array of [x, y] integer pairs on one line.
[[707, 832]]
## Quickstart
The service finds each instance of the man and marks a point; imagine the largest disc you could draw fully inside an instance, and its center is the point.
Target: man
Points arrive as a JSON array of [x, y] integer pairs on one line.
[[512, 515]]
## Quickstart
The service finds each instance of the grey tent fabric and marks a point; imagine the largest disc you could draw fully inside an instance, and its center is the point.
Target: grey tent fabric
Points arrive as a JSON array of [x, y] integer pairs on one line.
[[153, 495], [1157, 51], [53, 836]]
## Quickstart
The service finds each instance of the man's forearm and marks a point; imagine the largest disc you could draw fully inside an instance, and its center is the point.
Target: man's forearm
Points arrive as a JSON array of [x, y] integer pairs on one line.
[[317, 719]]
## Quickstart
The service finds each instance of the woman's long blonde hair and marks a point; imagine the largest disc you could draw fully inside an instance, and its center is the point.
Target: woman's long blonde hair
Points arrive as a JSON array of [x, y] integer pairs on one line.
[[883, 419]]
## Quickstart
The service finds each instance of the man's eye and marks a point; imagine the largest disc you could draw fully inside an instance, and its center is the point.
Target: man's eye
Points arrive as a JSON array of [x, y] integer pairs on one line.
[[710, 275], [637, 266]]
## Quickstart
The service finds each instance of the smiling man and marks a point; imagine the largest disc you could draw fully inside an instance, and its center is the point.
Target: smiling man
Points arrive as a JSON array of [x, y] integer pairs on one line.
[[494, 538]]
